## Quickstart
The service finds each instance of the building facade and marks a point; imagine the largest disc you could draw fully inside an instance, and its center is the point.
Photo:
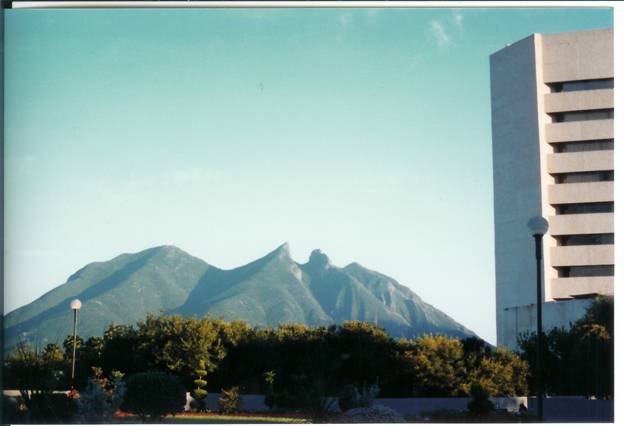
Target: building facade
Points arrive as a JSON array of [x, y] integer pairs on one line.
[[552, 145]]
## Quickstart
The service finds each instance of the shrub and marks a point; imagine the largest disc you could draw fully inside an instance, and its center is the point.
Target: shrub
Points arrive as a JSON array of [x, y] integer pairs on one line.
[[101, 399], [12, 410], [353, 397], [230, 400], [51, 408], [374, 414], [199, 393], [480, 405], [270, 399], [283, 400], [154, 394]]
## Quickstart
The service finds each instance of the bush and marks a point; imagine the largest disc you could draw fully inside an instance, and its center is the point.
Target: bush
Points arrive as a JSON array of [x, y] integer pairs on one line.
[[12, 411], [230, 400], [480, 405], [199, 393], [51, 408], [374, 414], [101, 399], [353, 397], [154, 394], [285, 400]]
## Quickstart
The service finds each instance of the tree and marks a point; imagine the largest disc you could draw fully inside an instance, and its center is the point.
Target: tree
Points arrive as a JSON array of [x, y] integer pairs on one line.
[[121, 351], [438, 366], [480, 405], [36, 375], [178, 344], [199, 393], [577, 360]]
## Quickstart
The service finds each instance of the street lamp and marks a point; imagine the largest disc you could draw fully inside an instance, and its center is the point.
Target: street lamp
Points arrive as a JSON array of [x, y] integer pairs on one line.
[[538, 227], [74, 305]]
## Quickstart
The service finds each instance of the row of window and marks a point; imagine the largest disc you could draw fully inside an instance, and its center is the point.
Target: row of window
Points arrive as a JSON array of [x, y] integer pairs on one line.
[[581, 146], [584, 240], [584, 208], [594, 114], [579, 177], [585, 271], [573, 86]]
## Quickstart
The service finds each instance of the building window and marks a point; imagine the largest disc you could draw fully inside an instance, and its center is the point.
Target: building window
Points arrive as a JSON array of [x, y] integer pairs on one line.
[[573, 86], [579, 177], [595, 114], [585, 240], [581, 146], [586, 271], [583, 208]]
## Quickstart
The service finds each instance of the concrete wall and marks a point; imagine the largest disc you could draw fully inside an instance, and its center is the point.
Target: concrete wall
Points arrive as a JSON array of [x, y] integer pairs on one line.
[[555, 408], [422, 406], [579, 131], [575, 409], [522, 319], [563, 287], [410, 406], [577, 224], [578, 55], [516, 166], [523, 139]]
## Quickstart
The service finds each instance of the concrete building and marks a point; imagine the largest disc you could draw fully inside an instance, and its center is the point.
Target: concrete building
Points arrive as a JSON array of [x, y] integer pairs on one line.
[[552, 140]]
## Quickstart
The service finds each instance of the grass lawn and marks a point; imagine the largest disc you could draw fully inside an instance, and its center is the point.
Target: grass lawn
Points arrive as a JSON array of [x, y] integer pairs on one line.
[[232, 418]]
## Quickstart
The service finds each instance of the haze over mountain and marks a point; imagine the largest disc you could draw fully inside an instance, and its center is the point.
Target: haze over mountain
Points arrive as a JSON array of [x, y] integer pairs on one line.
[[266, 292]]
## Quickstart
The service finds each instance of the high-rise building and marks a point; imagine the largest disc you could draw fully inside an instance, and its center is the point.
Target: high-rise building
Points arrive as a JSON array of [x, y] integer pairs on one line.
[[552, 142]]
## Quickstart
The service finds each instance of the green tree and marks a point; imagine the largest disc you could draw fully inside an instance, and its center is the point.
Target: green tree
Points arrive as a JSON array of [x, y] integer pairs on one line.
[[438, 366], [36, 375], [577, 360], [178, 344], [199, 393]]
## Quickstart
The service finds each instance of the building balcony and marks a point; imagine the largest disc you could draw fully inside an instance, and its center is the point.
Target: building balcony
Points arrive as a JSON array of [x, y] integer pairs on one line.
[[579, 131], [581, 100], [587, 192], [581, 255], [567, 288], [579, 224], [586, 161]]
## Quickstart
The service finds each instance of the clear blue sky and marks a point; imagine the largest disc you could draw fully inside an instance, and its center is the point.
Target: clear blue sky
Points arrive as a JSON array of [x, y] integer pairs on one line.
[[365, 133]]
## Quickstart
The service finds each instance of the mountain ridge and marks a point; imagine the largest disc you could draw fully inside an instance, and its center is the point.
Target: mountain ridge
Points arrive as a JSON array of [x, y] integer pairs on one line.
[[267, 291]]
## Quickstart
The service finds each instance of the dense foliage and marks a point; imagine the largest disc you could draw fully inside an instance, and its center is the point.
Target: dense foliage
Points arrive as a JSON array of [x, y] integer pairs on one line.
[[154, 394], [480, 404], [297, 366], [293, 365], [577, 360], [102, 397], [230, 400], [357, 396]]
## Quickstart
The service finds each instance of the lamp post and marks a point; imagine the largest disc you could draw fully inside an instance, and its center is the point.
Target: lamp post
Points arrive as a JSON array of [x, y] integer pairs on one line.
[[75, 306], [538, 227]]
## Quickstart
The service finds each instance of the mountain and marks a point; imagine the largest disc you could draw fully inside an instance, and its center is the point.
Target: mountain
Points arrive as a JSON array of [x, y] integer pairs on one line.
[[271, 290]]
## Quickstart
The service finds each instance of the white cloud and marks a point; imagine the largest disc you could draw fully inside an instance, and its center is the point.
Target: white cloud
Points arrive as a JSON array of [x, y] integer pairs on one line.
[[458, 19], [440, 34]]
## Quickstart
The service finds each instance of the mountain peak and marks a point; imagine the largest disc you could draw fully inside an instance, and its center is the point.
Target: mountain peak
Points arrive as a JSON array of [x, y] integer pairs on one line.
[[319, 260], [283, 252], [266, 292], [168, 248]]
